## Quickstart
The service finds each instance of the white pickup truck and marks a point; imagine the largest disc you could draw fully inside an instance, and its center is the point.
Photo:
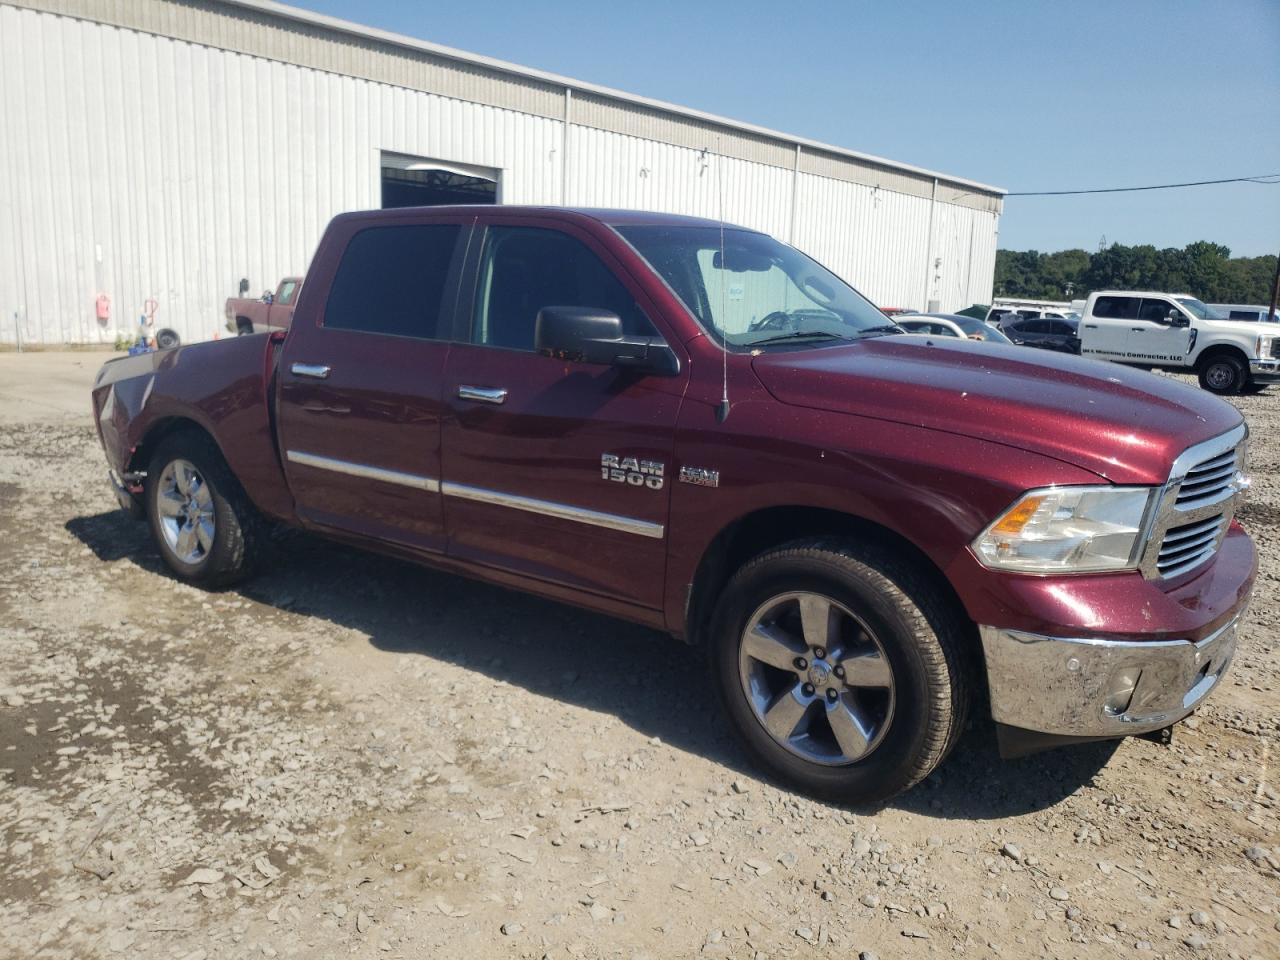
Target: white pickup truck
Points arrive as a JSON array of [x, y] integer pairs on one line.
[[1175, 331]]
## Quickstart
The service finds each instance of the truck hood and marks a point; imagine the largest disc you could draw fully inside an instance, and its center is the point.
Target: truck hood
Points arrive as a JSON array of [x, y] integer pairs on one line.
[[1239, 328], [1125, 425]]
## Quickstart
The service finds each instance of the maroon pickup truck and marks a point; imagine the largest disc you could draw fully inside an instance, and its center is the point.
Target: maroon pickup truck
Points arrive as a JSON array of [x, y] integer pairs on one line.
[[698, 428], [271, 311]]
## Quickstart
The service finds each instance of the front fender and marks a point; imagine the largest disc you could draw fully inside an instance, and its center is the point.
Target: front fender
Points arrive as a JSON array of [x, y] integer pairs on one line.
[[935, 490]]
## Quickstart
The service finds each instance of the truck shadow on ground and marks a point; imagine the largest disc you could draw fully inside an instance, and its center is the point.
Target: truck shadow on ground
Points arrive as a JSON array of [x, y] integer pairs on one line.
[[651, 682]]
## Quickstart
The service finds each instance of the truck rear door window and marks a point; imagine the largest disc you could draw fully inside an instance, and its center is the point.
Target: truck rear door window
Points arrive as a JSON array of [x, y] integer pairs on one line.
[[1116, 308], [391, 280], [527, 268]]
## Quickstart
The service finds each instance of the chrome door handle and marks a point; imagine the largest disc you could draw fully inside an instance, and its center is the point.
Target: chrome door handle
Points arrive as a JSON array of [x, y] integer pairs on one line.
[[314, 370], [482, 394]]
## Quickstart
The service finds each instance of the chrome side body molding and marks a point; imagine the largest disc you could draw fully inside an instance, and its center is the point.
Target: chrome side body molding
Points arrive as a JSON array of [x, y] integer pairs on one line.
[[547, 508], [550, 508], [429, 484]]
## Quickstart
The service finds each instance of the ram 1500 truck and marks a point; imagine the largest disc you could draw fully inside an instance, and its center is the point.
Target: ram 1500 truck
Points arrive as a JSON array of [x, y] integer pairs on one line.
[[271, 311], [1175, 331], [698, 428]]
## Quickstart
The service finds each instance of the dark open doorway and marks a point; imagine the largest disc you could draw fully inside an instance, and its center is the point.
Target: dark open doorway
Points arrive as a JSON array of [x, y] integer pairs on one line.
[[421, 182]]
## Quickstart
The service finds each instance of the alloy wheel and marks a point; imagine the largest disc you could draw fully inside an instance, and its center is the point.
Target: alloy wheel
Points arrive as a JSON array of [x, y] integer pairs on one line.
[[817, 678], [184, 505]]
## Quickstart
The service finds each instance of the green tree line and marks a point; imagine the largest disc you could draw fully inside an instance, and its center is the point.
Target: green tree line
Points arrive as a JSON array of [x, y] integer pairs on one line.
[[1205, 270]]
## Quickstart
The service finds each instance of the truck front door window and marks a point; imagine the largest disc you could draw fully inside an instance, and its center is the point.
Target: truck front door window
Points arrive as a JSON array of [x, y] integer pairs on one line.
[[527, 268]]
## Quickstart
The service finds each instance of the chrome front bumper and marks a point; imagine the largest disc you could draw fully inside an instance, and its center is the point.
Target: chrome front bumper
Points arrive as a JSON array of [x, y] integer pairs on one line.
[[127, 499], [1100, 688], [1265, 371]]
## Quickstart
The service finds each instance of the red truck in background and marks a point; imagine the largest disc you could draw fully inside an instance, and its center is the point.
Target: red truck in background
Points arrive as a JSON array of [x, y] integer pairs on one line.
[[271, 311], [698, 428]]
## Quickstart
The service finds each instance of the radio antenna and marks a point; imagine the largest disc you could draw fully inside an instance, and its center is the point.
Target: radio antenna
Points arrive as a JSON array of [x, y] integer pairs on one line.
[[722, 412]]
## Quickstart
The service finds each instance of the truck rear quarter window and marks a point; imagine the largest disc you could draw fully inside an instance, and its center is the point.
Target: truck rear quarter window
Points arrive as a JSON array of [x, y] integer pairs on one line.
[[391, 280], [527, 268], [1116, 308]]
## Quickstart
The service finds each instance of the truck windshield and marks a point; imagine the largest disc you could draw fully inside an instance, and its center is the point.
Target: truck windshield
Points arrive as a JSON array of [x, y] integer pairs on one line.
[[751, 289], [1199, 310]]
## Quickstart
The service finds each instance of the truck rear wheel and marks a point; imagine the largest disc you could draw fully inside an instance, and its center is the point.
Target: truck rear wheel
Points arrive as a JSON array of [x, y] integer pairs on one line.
[[206, 529], [1224, 374], [839, 668]]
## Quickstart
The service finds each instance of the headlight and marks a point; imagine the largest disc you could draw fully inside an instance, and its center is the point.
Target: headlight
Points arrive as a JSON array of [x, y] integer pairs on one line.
[[1264, 347], [1068, 530]]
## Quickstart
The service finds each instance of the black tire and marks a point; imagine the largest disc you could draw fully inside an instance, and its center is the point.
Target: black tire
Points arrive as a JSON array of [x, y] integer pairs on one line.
[[167, 339], [244, 326], [1224, 374], [922, 637], [238, 527]]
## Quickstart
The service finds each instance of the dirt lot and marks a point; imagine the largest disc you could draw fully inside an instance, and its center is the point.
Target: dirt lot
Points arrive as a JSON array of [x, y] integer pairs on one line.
[[351, 756]]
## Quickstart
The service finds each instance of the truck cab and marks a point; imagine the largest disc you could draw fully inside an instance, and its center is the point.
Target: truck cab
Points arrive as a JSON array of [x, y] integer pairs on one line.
[[1175, 331]]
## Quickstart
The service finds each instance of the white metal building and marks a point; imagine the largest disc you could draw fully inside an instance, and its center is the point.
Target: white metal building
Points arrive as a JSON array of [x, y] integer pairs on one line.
[[161, 150]]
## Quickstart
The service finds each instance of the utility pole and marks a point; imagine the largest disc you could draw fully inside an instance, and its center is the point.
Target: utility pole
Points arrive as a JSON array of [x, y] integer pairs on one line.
[[1275, 292]]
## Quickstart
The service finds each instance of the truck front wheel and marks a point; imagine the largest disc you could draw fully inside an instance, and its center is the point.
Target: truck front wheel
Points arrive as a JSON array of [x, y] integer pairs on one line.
[[206, 529], [840, 669], [1224, 374]]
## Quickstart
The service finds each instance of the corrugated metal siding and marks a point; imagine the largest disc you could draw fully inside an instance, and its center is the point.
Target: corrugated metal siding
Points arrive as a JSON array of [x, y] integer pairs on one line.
[[191, 167], [308, 40], [594, 111], [612, 170], [876, 239], [143, 166], [279, 38]]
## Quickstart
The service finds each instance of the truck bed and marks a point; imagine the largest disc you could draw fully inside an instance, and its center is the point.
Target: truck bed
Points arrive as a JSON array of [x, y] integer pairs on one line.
[[223, 387]]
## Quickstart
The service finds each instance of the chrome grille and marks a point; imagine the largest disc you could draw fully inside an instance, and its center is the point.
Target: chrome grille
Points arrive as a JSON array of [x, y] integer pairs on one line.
[[1208, 480], [1187, 546], [1196, 507]]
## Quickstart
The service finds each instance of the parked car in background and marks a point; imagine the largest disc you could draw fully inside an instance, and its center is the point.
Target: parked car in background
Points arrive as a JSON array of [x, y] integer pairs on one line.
[[867, 535], [271, 311], [1044, 333], [929, 326], [1175, 331], [1248, 312], [950, 324], [978, 311], [1004, 308]]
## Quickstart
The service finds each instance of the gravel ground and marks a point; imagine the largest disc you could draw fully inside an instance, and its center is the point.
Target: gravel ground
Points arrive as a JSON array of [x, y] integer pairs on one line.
[[351, 756]]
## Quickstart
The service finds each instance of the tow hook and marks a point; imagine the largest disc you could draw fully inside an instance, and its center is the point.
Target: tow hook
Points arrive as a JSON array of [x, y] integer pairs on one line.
[[1163, 736]]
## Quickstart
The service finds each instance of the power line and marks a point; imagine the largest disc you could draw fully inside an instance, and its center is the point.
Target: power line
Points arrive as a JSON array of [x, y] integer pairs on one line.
[[1267, 178]]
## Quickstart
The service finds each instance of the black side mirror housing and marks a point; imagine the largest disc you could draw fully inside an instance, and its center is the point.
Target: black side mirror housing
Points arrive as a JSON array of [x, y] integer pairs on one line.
[[1176, 318], [594, 335]]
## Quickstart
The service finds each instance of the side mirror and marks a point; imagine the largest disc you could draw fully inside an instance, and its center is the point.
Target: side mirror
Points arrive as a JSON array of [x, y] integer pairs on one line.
[[244, 286], [1177, 318], [594, 335], [268, 296]]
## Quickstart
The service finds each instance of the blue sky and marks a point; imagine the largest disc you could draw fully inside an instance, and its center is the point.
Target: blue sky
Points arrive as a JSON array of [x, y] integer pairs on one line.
[[1023, 95]]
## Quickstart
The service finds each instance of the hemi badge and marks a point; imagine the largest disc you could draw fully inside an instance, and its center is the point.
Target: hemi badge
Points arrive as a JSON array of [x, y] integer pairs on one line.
[[700, 477]]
